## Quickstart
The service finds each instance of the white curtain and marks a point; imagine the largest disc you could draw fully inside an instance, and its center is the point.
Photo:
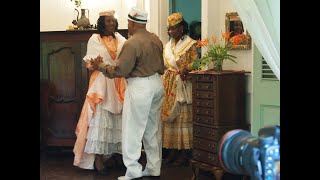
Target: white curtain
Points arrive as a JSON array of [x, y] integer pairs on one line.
[[262, 20]]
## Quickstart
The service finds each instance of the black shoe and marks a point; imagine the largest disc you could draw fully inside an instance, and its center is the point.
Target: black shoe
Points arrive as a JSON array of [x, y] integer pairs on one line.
[[150, 177], [102, 171]]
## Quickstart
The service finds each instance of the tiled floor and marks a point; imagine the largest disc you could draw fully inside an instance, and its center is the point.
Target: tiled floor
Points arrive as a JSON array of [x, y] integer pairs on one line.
[[58, 166]]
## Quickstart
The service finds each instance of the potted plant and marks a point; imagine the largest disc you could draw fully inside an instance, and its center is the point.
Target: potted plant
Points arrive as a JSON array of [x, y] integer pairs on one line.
[[77, 3], [215, 53]]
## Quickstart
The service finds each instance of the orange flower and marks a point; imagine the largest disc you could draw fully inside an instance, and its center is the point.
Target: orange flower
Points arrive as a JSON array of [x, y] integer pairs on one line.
[[235, 40], [205, 41], [216, 52], [200, 44], [226, 35], [214, 40], [239, 39]]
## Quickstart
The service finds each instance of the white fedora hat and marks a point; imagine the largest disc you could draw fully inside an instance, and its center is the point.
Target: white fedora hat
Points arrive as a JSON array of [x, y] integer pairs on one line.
[[138, 15]]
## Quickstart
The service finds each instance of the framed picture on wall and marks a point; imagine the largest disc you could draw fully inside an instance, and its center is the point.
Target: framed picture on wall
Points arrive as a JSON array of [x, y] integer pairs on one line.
[[235, 26]]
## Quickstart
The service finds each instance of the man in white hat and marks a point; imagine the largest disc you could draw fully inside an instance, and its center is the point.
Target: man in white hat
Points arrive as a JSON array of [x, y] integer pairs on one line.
[[141, 62]]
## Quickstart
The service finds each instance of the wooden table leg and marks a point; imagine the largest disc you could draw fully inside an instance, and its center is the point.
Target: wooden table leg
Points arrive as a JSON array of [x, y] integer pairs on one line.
[[218, 173], [195, 172]]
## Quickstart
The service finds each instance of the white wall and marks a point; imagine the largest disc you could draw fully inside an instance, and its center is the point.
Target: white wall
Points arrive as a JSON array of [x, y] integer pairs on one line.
[[213, 22], [57, 15], [159, 12]]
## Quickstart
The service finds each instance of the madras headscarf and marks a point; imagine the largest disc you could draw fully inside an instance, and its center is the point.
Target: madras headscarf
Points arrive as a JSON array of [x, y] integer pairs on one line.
[[107, 13], [174, 19]]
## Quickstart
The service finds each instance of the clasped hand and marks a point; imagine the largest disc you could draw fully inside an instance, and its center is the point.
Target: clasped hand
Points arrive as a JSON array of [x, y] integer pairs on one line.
[[96, 62], [183, 74]]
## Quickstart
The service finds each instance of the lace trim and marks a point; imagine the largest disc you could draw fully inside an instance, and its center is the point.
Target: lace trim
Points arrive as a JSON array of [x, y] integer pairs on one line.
[[96, 147]]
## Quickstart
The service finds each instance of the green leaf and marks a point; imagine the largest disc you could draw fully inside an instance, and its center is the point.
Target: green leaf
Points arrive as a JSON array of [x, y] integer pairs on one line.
[[231, 60], [195, 64]]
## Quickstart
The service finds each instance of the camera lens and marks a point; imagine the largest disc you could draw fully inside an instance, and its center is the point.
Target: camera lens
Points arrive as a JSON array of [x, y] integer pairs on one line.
[[235, 150]]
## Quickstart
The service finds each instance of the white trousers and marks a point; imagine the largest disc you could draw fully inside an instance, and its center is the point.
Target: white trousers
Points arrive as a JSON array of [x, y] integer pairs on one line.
[[141, 123]]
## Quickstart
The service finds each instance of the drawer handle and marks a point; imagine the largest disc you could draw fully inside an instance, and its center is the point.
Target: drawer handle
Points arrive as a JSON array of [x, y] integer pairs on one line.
[[208, 104], [207, 120], [198, 110], [211, 158], [196, 154], [198, 119], [210, 133], [207, 87], [197, 131], [207, 112], [197, 94], [198, 103], [211, 145]]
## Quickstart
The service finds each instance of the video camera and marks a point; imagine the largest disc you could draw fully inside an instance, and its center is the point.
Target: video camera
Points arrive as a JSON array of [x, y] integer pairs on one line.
[[242, 153]]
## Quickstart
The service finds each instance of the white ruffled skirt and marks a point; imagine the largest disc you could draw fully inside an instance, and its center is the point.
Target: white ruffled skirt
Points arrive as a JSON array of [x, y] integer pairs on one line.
[[104, 133]]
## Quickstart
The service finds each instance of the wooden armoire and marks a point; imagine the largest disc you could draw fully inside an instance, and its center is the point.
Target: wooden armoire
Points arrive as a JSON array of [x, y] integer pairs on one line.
[[63, 84]]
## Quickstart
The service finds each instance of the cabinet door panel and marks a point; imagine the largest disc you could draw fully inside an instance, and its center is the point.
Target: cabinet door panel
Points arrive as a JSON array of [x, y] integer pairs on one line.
[[63, 68]]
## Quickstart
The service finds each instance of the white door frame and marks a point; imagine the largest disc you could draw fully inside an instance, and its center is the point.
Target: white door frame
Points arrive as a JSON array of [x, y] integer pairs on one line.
[[159, 12]]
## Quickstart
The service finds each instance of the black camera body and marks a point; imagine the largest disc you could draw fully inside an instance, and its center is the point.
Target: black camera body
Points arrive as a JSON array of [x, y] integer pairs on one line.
[[242, 153]]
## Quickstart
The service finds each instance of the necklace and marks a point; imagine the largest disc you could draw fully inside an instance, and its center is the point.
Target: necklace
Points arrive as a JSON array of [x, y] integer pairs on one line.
[[111, 45]]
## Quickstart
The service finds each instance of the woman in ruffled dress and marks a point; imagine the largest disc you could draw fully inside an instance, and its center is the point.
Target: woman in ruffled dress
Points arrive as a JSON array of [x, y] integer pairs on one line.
[[99, 127], [176, 114]]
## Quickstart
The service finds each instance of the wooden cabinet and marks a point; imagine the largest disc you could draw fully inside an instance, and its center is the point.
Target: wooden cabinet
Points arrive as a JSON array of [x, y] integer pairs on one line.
[[218, 100], [63, 84]]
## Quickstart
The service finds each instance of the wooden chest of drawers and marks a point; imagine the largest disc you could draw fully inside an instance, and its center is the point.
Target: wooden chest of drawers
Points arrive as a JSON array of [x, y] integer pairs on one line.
[[218, 100]]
